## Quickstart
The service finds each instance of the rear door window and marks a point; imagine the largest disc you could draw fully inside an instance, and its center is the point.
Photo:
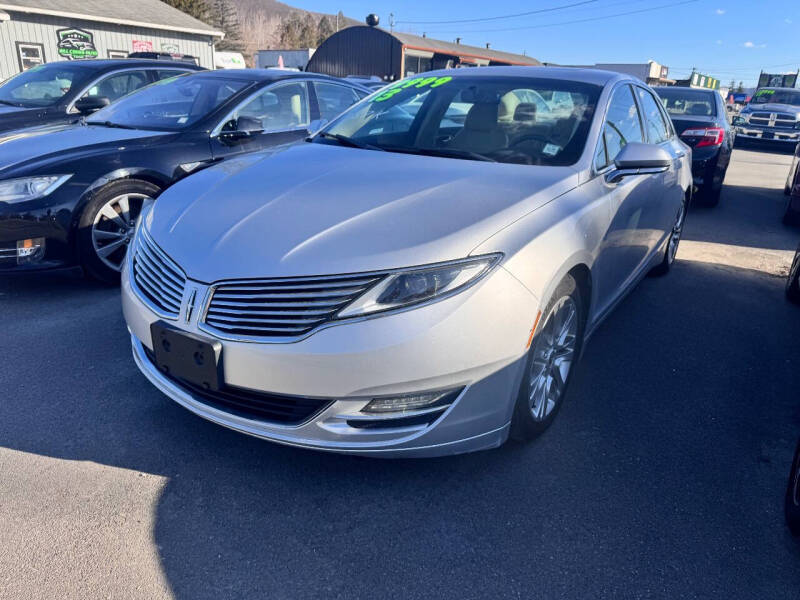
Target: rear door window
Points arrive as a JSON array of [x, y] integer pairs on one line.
[[333, 99], [657, 129]]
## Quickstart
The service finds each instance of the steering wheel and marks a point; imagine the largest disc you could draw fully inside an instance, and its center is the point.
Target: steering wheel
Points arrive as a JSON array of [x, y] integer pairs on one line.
[[529, 137]]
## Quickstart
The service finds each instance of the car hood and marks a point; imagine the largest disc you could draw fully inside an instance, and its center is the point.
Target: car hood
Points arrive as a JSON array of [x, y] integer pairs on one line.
[[41, 144], [316, 209], [13, 117], [772, 108]]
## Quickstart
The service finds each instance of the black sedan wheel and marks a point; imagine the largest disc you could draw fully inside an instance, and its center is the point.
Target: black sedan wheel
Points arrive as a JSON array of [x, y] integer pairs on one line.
[[107, 226], [792, 505], [793, 280]]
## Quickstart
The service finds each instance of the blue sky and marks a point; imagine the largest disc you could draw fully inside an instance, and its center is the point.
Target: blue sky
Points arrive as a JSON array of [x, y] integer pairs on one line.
[[727, 40]]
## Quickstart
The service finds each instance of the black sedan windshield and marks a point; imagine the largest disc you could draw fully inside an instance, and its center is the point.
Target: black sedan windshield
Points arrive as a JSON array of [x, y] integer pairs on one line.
[[777, 97], [43, 85], [502, 119], [171, 104]]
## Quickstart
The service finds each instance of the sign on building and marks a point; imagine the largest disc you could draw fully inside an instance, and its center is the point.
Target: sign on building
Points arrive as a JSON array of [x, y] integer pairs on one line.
[[76, 44], [142, 45]]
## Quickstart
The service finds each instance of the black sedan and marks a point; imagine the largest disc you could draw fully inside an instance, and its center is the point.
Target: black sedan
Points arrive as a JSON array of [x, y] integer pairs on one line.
[[60, 92], [70, 194], [701, 120], [791, 211]]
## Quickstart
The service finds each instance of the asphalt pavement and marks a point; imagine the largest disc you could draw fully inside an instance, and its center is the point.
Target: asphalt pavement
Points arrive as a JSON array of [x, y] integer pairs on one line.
[[662, 477]]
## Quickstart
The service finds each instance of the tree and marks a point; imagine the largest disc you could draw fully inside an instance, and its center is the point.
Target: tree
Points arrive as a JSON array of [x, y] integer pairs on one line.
[[732, 85], [194, 8], [224, 17], [740, 87], [298, 31], [324, 30]]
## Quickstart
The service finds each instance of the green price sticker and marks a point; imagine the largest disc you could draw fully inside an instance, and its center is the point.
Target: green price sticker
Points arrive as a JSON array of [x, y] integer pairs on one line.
[[765, 92], [416, 83]]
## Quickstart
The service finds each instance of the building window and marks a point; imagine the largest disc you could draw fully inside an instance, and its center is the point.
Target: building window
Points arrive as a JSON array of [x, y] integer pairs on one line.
[[30, 55], [117, 54]]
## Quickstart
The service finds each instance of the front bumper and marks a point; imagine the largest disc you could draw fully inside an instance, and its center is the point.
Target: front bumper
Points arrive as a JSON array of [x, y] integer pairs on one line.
[[752, 132], [474, 341]]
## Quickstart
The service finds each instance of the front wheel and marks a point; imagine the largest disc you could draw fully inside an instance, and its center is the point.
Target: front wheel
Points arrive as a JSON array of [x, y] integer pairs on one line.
[[792, 501], [555, 349], [107, 225], [674, 240], [793, 280]]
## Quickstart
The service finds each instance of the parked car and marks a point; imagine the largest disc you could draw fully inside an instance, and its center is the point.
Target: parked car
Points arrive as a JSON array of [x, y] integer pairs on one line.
[[70, 194], [792, 500], [701, 120], [773, 114], [60, 92], [793, 279], [170, 56], [372, 83], [418, 292], [791, 211]]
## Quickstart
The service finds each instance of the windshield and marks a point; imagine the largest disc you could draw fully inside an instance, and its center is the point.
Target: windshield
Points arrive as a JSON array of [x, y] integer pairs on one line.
[[683, 102], [767, 96], [502, 119], [44, 85], [171, 104]]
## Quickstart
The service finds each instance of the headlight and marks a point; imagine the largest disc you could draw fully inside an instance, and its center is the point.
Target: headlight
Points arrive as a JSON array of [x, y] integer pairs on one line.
[[407, 288], [30, 188]]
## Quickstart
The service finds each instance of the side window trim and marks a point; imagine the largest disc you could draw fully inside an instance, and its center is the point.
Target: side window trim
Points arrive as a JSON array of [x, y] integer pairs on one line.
[[262, 90], [91, 84]]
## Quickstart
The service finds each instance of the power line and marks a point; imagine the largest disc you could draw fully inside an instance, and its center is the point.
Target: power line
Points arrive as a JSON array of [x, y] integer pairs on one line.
[[587, 20], [523, 14]]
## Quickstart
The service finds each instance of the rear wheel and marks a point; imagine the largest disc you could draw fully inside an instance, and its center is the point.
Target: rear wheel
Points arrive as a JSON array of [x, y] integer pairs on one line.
[[107, 225], [790, 215], [555, 349], [793, 280]]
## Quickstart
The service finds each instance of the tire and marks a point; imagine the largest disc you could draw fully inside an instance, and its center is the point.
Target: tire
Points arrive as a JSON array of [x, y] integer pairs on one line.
[[671, 249], [790, 216], [102, 238], [548, 372], [792, 500], [793, 280]]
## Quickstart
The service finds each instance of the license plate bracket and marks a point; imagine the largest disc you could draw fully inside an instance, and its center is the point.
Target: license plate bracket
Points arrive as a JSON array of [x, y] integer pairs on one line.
[[188, 356]]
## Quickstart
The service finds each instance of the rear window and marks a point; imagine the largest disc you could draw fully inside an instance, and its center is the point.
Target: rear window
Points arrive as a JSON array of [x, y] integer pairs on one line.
[[687, 102]]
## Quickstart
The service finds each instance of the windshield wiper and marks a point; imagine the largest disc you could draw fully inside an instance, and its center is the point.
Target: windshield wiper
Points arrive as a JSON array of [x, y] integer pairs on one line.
[[109, 124], [346, 141], [443, 152]]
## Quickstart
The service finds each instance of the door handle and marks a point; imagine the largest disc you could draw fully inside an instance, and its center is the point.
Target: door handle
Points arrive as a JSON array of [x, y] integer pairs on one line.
[[681, 154]]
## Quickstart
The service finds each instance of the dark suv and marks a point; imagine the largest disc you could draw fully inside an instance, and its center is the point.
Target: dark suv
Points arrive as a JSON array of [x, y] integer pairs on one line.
[[60, 92]]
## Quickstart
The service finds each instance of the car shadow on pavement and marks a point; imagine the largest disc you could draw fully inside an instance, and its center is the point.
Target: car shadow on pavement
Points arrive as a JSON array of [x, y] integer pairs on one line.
[[664, 471]]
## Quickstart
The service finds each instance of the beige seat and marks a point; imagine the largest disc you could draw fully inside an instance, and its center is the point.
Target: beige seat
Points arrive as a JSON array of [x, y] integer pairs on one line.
[[481, 132]]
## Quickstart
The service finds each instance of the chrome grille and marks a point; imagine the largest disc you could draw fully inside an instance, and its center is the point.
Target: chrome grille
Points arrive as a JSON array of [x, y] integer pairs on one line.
[[765, 119], [158, 279], [281, 307]]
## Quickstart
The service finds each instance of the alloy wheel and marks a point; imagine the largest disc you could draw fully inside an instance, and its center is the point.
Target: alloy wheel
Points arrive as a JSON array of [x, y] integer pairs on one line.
[[677, 231], [113, 227], [553, 355]]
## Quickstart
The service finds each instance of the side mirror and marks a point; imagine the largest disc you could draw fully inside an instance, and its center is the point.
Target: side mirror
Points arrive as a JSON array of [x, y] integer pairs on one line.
[[90, 104], [639, 159], [737, 120], [240, 129]]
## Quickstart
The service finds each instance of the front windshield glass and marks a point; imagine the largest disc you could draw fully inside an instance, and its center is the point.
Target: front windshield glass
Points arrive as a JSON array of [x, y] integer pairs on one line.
[[767, 96], [503, 119], [44, 85], [681, 102], [171, 104]]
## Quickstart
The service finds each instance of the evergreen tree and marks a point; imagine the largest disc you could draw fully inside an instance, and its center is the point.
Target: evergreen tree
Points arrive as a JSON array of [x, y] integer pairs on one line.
[[224, 17], [324, 30], [194, 8]]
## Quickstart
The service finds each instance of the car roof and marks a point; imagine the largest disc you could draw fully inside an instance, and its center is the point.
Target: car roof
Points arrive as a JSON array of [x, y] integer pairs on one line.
[[104, 64], [683, 88], [591, 76], [269, 75]]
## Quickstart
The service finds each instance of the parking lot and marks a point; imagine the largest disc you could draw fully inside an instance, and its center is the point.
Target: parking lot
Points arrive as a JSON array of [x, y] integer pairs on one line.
[[662, 477]]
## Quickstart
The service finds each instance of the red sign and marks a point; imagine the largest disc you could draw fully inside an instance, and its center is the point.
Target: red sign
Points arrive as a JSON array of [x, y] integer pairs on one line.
[[142, 46]]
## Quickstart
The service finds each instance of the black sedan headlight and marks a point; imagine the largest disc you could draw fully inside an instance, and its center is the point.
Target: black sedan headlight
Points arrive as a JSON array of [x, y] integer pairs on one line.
[[30, 188]]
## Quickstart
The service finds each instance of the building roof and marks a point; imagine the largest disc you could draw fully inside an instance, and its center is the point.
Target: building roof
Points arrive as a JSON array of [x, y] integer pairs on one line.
[[152, 14], [425, 43]]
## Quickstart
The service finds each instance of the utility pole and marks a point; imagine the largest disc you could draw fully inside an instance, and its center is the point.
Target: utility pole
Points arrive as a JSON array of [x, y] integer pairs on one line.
[[391, 22], [337, 21]]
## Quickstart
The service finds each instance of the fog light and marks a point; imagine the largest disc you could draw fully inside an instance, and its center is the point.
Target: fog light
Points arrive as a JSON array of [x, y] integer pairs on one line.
[[30, 250], [410, 402]]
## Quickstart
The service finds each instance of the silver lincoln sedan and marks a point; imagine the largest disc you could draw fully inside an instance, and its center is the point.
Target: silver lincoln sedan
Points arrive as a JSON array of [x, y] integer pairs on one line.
[[419, 278]]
